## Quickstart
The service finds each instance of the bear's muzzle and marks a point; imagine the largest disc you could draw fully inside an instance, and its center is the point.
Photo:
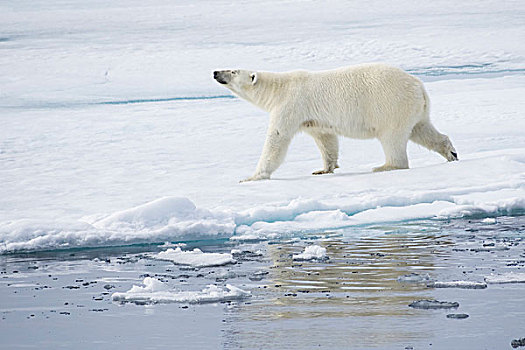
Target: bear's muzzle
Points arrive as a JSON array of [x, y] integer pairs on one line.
[[222, 77]]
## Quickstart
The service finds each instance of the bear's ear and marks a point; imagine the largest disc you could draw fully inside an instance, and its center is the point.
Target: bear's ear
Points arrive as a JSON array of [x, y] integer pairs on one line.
[[254, 78]]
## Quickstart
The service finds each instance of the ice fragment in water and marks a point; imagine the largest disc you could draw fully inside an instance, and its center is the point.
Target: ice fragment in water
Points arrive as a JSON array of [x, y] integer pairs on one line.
[[489, 221], [195, 258], [312, 252], [457, 316], [155, 291], [433, 304], [414, 278], [509, 277], [458, 284], [516, 343]]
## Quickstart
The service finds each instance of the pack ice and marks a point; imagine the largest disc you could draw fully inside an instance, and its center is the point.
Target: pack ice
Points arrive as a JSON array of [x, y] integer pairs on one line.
[[102, 146]]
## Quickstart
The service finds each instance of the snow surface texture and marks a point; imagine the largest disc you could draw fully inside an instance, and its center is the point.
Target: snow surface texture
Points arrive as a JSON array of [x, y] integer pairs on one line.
[[313, 252], [110, 136], [195, 258], [155, 292]]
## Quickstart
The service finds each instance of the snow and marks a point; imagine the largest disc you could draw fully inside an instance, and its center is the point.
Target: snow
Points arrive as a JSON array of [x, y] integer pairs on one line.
[[509, 277], [155, 292], [313, 252], [110, 136], [195, 258]]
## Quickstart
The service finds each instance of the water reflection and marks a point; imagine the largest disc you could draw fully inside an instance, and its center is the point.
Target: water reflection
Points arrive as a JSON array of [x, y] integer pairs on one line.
[[355, 294], [359, 279]]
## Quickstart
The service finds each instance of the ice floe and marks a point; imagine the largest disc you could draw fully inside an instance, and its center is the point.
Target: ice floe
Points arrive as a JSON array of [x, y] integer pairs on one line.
[[195, 257], [458, 284], [154, 292], [433, 304], [112, 157], [313, 252], [509, 277], [458, 316], [414, 278]]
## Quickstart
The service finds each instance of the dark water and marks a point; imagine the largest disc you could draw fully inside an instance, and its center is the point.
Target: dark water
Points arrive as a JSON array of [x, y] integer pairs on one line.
[[357, 299]]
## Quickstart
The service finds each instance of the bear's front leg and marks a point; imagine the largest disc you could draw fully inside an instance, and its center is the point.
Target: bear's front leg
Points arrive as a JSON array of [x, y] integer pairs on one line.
[[273, 154], [329, 146]]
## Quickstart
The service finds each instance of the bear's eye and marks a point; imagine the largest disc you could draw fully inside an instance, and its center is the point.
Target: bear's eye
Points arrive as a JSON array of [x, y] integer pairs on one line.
[[234, 72]]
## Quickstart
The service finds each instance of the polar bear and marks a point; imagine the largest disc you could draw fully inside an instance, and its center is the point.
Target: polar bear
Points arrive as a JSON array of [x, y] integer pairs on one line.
[[362, 101]]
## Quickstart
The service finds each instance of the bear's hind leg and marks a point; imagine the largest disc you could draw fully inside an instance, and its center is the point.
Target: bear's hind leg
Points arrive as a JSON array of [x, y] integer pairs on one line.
[[329, 146], [395, 149], [426, 135]]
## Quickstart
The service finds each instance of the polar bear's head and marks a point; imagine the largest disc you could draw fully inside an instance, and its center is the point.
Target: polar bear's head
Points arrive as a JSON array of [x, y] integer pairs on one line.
[[236, 80], [248, 85]]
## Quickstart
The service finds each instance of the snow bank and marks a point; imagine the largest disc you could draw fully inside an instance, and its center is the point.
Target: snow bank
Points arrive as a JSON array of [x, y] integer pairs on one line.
[[195, 258], [509, 277], [155, 292], [164, 219], [313, 252], [170, 216], [178, 219]]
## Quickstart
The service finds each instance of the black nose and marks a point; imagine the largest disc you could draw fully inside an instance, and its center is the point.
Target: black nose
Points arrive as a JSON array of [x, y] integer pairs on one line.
[[215, 74]]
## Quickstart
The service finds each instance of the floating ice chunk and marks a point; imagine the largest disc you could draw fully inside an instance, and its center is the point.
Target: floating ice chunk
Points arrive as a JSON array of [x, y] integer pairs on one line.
[[246, 253], [459, 284], [311, 252], [155, 291], [509, 277], [516, 343], [433, 304], [489, 221], [224, 274], [414, 278], [457, 316], [150, 285], [195, 258]]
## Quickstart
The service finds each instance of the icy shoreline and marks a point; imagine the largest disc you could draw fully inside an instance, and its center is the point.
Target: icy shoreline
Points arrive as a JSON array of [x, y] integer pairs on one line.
[[177, 219]]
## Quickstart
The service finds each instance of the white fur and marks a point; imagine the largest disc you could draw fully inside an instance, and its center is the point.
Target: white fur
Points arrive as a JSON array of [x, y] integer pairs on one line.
[[362, 101]]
